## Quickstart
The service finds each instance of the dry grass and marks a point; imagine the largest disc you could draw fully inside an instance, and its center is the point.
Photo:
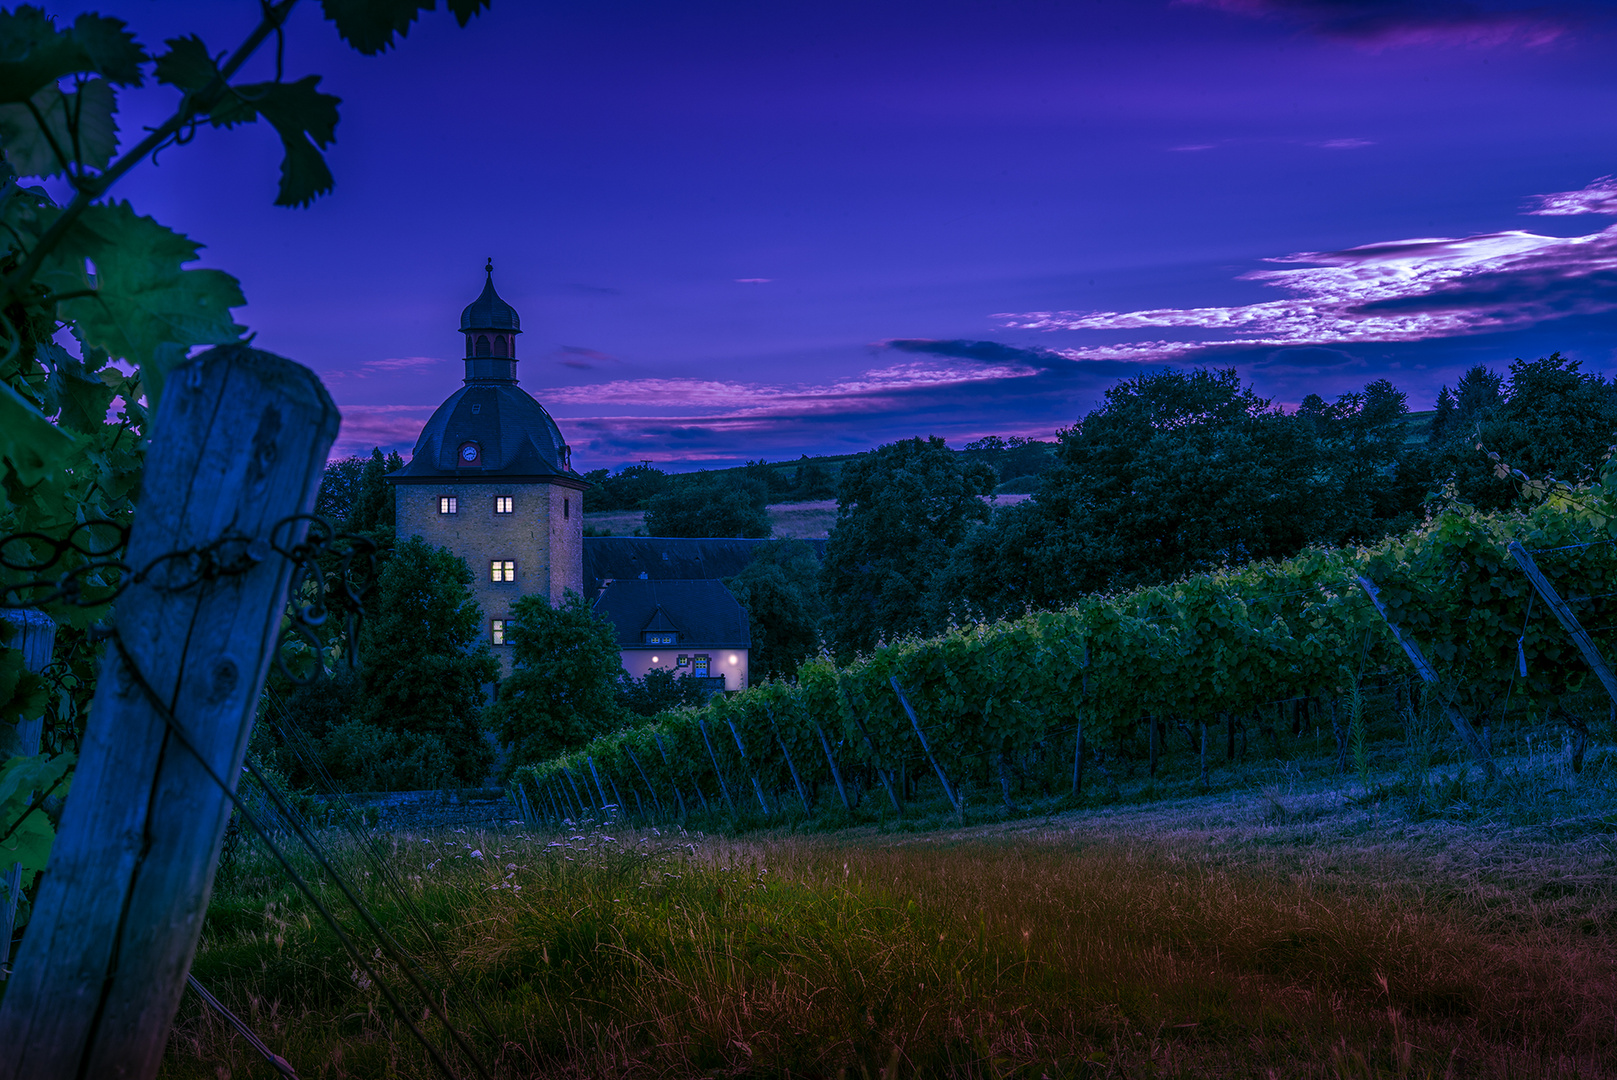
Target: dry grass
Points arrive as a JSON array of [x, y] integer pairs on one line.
[[1186, 938]]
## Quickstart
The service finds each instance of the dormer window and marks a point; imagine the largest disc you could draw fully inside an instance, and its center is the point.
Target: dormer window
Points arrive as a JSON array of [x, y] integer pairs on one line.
[[660, 638]]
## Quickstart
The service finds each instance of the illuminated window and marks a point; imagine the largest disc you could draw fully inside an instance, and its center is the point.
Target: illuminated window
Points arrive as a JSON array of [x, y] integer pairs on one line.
[[502, 504], [502, 570], [659, 639], [447, 504], [496, 631]]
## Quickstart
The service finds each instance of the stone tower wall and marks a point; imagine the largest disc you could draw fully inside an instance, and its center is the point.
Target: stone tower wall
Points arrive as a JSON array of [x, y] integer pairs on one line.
[[543, 535]]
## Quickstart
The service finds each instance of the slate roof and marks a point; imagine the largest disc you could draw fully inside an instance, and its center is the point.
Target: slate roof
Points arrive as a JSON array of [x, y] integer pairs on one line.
[[666, 558], [702, 611], [489, 312], [517, 437]]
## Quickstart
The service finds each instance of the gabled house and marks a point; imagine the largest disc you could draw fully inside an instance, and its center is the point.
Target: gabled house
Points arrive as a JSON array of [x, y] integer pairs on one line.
[[693, 628]]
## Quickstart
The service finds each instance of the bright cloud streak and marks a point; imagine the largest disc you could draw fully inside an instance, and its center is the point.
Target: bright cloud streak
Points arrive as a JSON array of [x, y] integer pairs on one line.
[[1398, 291]]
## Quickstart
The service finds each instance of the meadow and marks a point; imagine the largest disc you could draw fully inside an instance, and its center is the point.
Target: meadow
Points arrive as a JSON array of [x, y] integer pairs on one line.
[[1402, 921]]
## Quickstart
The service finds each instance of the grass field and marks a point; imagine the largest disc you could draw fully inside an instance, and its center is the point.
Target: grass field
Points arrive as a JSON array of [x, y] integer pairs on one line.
[[1288, 923]]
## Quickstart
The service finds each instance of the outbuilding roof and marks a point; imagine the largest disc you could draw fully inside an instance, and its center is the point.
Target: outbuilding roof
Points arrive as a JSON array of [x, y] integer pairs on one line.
[[702, 612]]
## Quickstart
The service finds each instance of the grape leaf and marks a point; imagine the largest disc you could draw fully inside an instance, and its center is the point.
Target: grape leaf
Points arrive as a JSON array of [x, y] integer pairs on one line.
[[187, 64], [78, 396], [30, 153], [142, 298], [34, 53], [303, 117], [371, 26], [112, 49], [32, 445]]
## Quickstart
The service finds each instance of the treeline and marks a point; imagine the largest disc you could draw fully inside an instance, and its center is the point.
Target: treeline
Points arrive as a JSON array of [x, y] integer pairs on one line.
[[1179, 473]]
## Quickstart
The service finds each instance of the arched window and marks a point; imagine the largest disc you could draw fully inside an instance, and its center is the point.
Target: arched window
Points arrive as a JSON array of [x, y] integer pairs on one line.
[[482, 345], [499, 345]]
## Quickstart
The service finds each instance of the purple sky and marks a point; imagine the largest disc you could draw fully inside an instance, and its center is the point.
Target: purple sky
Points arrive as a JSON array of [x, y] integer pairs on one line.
[[739, 230]]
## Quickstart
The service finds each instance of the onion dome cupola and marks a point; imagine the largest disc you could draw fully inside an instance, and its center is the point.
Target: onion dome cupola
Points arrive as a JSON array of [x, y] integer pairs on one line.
[[491, 327], [490, 427]]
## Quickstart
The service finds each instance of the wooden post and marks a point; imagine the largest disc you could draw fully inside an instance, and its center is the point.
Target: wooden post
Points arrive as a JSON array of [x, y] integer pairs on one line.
[[1569, 621], [33, 633], [584, 806], [679, 795], [802, 793], [836, 773], [599, 790], [742, 750], [723, 787], [1462, 726], [658, 803], [875, 755], [239, 443], [919, 734]]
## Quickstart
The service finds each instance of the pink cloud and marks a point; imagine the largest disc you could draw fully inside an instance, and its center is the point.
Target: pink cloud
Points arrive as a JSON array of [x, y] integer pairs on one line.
[[1380, 24], [1398, 291], [1599, 197]]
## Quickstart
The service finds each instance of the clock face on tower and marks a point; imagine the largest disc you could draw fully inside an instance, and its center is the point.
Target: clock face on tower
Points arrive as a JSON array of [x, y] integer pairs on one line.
[[469, 453]]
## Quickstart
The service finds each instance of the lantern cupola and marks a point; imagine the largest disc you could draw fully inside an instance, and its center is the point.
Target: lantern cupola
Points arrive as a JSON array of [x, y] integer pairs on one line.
[[490, 326]]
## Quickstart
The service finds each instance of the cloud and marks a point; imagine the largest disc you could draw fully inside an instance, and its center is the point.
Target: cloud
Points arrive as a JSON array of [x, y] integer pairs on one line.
[[1599, 197], [578, 357], [392, 427], [1343, 144], [1394, 23], [754, 280], [391, 366], [1397, 291]]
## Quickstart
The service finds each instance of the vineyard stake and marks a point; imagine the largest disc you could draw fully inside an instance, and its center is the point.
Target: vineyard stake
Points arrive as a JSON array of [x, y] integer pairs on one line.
[[239, 444], [919, 734], [1462, 726], [583, 807], [723, 787], [658, 803], [797, 780], [759, 791], [836, 774], [875, 755], [684, 813], [598, 789], [1569, 621]]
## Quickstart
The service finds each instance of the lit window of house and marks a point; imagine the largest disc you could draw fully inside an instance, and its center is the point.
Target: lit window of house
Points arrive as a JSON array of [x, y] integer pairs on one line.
[[447, 504], [660, 639], [496, 631], [502, 570], [502, 504]]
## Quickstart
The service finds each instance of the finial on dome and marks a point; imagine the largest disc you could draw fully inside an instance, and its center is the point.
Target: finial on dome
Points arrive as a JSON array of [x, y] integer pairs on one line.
[[489, 269]]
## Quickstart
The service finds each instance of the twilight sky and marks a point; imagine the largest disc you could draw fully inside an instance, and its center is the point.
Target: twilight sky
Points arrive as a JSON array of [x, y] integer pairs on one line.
[[738, 230]]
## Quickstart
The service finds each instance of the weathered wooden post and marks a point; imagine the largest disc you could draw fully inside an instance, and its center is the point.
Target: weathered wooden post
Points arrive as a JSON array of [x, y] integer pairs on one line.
[[33, 633], [1462, 726], [239, 444], [742, 750], [1569, 621], [723, 787], [836, 773]]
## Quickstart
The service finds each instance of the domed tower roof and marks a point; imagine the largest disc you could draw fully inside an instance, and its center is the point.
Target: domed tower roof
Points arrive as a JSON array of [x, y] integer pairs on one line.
[[493, 430], [488, 311], [491, 427]]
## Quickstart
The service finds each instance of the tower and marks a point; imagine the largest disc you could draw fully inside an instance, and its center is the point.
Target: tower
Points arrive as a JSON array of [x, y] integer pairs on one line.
[[491, 478]]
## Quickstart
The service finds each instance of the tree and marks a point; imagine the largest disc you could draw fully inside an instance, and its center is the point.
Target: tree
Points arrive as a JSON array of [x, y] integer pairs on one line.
[[425, 661], [812, 480], [1549, 418], [659, 691], [373, 510], [339, 489], [901, 509], [705, 506], [780, 590], [1377, 481], [562, 689]]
